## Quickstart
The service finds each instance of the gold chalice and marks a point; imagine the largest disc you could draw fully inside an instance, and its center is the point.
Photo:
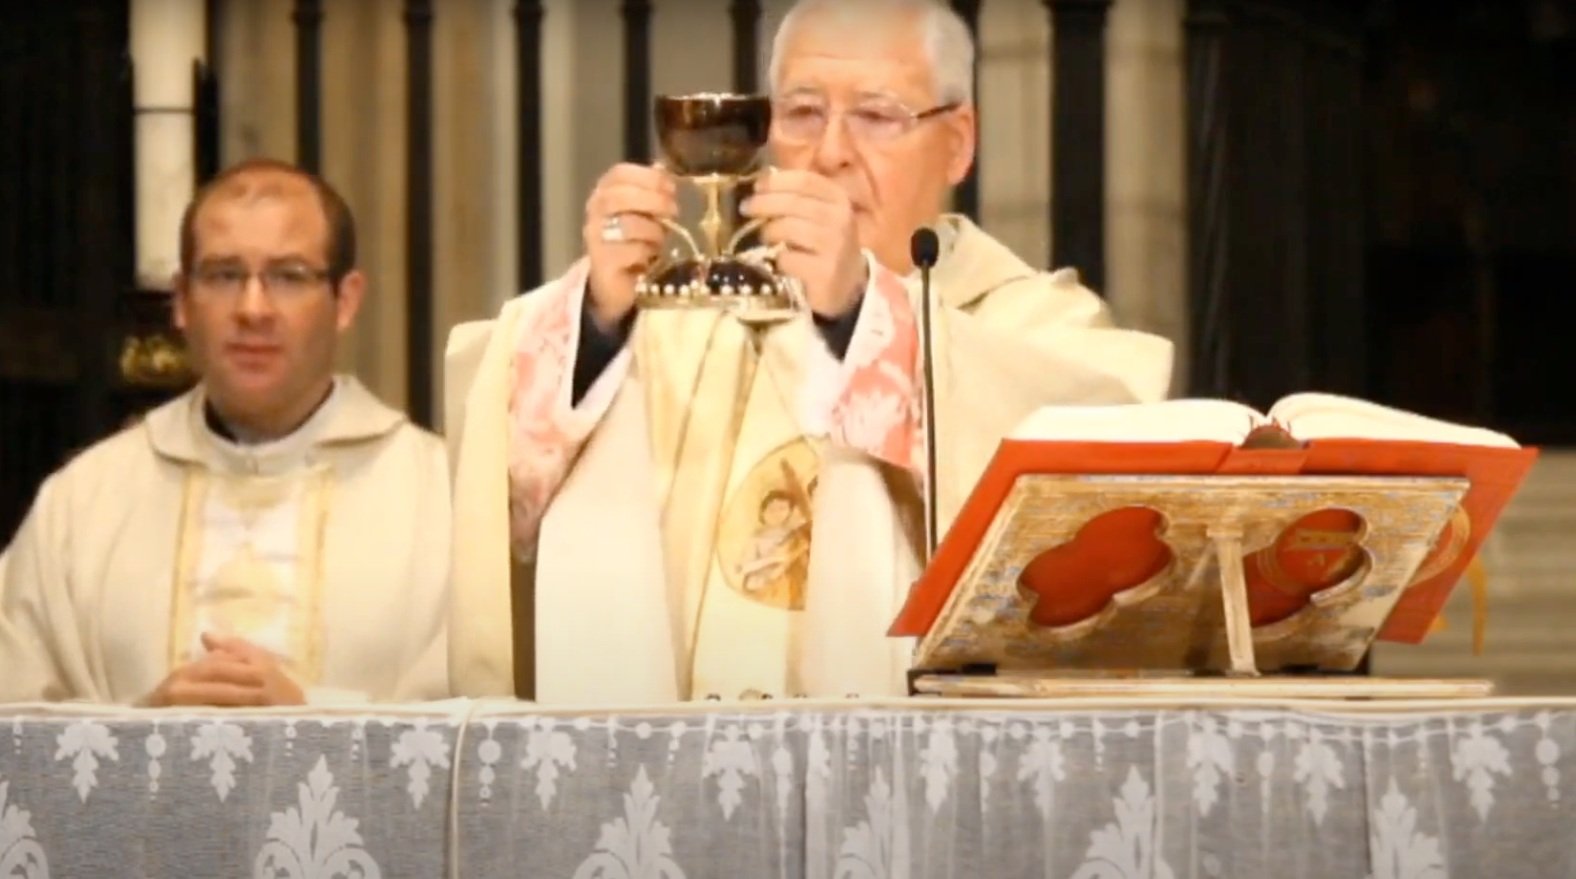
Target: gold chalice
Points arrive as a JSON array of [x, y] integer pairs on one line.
[[716, 141]]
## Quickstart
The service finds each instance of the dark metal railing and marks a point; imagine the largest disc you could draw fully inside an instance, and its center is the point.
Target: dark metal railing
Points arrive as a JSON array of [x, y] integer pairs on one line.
[[637, 80], [308, 18], [966, 201], [528, 78], [1078, 136], [419, 364], [745, 15]]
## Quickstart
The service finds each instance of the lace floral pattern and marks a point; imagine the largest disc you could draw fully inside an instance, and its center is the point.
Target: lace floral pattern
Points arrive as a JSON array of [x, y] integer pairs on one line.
[[544, 430], [860, 790], [878, 411]]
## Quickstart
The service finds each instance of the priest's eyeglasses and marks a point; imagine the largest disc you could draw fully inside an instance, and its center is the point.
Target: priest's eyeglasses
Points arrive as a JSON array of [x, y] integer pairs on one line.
[[804, 119], [279, 279]]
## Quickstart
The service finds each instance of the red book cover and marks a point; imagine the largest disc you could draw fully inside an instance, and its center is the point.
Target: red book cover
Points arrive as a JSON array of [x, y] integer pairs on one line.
[[1120, 549]]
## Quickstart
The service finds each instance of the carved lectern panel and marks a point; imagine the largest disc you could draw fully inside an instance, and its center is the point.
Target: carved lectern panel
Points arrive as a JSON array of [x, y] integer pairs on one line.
[[1179, 618]]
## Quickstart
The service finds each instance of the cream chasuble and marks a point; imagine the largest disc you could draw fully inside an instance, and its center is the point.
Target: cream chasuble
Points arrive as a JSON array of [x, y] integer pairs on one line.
[[328, 548], [728, 516], [736, 478]]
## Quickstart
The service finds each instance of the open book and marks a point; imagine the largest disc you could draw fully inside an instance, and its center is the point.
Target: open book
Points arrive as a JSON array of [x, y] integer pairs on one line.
[[1303, 417], [1303, 434]]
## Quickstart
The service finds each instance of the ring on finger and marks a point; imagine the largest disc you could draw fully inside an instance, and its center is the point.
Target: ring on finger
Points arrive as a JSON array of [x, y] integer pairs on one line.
[[612, 230]]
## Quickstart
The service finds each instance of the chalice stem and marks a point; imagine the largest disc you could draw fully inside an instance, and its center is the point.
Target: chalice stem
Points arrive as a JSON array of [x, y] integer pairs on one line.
[[711, 223]]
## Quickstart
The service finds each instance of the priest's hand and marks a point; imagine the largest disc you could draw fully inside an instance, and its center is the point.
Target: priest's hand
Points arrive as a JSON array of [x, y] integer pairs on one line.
[[234, 673], [811, 219], [622, 236]]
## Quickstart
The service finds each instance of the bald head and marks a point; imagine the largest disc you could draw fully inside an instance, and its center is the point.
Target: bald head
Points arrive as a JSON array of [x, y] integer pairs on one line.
[[257, 180]]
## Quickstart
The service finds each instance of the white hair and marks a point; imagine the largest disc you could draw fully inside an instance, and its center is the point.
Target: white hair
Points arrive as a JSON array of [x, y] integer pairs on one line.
[[948, 43]]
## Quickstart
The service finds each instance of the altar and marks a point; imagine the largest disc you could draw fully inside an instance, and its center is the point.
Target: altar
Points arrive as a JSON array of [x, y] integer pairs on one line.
[[1088, 789]]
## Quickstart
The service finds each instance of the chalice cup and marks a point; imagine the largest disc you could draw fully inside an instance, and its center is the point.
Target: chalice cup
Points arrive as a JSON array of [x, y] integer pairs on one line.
[[716, 142]]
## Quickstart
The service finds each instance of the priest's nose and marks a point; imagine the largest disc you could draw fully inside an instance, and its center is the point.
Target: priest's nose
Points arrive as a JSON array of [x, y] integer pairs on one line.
[[255, 304], [834, 151]]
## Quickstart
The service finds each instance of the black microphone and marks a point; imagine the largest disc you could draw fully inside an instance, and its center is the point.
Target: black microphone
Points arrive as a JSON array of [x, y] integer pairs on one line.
[[924, 249]]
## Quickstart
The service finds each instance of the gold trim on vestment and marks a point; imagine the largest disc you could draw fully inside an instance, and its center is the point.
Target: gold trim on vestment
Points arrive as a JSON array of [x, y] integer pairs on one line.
[[187, 552], [308, 493], [703, 388]]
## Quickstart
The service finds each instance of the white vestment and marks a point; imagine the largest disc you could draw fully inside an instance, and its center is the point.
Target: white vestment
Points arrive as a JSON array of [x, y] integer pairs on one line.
[[670, 513], [329, 548]]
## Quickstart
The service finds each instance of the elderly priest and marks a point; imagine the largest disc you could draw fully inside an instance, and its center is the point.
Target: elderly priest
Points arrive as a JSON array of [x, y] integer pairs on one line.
[[275, 536], [679, 526]]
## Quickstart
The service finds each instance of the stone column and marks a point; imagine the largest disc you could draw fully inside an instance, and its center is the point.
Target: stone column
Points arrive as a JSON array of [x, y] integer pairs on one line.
[[1145, 228], [1146, 180], [167, 41]]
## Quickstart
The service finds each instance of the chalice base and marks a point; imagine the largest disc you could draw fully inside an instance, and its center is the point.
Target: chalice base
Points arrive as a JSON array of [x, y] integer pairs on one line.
[[752, 293]]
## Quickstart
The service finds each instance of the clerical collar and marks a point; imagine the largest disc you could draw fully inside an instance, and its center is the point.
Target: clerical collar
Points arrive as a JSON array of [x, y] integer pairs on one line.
[[233, 449]]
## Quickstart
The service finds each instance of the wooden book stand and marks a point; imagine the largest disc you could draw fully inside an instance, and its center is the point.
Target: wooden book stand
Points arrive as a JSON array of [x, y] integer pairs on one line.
[[1186, 630]]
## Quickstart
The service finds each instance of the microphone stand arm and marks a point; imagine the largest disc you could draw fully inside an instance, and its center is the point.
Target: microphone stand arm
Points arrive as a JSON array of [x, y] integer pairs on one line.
[[924, 249]]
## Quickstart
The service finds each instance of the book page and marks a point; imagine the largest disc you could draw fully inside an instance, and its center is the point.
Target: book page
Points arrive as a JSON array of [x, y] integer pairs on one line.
[[1311, 416], [1168, 421]]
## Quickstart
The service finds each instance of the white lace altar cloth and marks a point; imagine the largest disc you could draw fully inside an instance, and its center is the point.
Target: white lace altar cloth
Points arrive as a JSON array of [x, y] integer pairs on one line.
[[896, 789]]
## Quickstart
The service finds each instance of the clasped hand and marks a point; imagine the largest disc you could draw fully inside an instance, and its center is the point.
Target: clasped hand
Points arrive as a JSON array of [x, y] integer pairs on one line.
[[234, 672], [807, 217]]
